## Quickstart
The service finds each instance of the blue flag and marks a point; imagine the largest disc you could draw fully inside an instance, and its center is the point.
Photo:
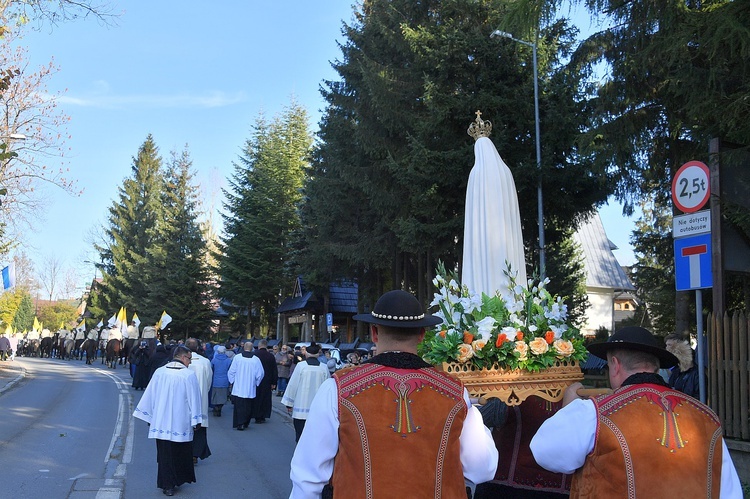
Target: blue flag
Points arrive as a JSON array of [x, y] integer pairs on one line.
[[9, 276]]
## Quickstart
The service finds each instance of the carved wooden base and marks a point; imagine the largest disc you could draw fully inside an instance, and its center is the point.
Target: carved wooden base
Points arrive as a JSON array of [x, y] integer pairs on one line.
[[514, 386]]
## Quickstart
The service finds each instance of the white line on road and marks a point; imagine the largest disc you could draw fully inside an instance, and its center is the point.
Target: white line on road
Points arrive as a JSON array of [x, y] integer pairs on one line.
[[128, 454], [118, 429], [78, 476]]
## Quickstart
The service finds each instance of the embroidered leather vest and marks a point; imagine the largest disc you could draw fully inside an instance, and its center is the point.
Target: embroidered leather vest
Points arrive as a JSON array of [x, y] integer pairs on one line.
[[399, 434], [652, 441]]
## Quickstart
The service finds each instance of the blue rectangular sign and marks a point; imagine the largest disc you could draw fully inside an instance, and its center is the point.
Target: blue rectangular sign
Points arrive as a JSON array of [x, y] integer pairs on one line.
[[329, 320], [692, 262]]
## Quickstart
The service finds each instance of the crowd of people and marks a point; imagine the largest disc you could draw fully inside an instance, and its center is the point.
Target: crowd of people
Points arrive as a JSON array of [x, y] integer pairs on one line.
[[376, 416]]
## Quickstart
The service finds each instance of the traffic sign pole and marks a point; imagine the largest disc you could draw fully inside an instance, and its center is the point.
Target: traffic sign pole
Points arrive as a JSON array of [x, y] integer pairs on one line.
[[691, 189], [700, 347]]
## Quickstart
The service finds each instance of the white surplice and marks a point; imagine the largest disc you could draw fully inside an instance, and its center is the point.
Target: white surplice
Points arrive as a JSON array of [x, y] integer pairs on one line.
[[492, 225], [201, 366], [302, 387], [245, 373], [171, 403]]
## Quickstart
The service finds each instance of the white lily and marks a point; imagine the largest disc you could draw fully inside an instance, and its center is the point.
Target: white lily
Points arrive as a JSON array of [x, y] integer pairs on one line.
[[484, 327]]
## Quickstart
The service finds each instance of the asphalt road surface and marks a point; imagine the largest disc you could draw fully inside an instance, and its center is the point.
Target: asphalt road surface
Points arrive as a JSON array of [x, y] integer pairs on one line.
[[67, 431]]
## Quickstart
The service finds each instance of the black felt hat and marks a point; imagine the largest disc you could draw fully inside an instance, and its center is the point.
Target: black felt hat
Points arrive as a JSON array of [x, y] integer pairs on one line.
[[398, 309], [634, 338]]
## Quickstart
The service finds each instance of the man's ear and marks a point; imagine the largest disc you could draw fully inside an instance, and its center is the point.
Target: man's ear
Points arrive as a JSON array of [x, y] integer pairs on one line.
[[374, 332], [421, 335]]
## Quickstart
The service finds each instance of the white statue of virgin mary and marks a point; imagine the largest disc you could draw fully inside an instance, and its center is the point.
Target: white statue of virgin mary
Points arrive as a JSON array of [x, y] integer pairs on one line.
[[492, 223]]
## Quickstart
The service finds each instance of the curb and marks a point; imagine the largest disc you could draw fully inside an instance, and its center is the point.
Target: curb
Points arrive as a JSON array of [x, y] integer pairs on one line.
[[14, 381]]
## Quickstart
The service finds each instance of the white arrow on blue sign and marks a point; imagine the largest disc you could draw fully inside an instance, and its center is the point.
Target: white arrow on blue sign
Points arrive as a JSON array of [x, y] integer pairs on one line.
[[692, 262]]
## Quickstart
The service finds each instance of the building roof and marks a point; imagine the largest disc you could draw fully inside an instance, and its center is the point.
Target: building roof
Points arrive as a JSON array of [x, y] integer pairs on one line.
[[343, 297], [593, 362], [602, 268], [296, 303]]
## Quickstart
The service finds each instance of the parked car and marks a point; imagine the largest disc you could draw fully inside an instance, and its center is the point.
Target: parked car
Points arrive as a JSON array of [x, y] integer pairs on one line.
[[325, 347]]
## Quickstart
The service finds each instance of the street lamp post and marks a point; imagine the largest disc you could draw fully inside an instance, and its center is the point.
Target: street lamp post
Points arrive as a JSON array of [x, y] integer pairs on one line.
[[540, 211]]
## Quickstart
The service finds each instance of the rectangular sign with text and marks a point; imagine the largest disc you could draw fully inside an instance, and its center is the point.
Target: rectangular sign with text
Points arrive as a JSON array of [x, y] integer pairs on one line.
[[691, 224]]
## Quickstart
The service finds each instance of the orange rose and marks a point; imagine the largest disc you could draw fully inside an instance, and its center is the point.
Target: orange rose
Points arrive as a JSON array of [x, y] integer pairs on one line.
[[538, 346], [501, 338], [478, 345], [465, 352], [443, 333], [523, 350], [468, 337], [519, 335], [564, 348], [549, 337]]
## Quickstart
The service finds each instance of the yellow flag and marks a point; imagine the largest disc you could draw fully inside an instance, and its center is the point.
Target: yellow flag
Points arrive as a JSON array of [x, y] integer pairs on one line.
[[37, 326], [164, 320]]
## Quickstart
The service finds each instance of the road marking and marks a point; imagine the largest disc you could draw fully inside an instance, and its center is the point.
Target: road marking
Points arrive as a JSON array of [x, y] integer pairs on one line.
[[125, 402], [78, 476], [128, 454], [118, 429], [108, 493], [120, 471]]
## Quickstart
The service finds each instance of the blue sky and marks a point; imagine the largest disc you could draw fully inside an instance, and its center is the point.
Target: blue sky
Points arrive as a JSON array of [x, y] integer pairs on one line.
[[187, 73]]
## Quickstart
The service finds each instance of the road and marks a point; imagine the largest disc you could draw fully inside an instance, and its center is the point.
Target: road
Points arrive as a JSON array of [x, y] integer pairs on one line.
[[67, 431]]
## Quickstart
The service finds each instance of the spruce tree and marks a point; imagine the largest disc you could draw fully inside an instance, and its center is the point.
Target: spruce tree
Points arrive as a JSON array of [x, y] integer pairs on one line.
[[24, 318], [262, 214], [181, 282], [394, 149], [131, 232]]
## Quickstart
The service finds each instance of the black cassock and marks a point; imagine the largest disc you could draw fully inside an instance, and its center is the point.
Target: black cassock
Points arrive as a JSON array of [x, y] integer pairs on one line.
[[140, 358], [264, 396]]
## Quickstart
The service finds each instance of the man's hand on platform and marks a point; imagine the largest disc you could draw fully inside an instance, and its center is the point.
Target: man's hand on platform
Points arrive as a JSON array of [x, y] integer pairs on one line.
[[570, 393]]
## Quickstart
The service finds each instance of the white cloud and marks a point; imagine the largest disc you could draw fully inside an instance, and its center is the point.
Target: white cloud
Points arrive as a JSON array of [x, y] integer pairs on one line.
[[184, 100]]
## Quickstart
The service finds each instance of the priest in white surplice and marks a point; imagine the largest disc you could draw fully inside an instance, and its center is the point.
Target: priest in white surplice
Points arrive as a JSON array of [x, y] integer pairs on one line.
[[171, 405], [303, 385], [201, 366], [246, 373], [492, 223]]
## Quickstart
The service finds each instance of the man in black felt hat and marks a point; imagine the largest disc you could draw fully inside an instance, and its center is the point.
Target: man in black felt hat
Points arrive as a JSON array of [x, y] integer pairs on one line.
[[392, 426], [643, 440]]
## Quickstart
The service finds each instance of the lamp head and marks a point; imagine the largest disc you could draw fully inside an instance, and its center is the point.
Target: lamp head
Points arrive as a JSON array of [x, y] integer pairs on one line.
[[503, 34]]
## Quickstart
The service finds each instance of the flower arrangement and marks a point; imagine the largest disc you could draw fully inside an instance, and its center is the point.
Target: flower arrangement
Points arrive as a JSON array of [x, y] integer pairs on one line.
[[526, 329]]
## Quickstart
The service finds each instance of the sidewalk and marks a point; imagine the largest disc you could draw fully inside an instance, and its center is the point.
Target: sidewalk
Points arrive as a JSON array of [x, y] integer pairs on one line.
[[11, 372]]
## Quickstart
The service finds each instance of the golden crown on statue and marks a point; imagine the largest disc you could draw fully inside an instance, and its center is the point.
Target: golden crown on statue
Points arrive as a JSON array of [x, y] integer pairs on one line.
[[479, 128]]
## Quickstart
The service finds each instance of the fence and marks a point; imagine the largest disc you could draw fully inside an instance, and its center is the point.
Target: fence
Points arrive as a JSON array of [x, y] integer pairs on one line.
[[729, 372]]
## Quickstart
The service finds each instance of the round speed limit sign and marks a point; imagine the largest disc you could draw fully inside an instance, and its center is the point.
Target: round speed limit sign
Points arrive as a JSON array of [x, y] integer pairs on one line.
[[691, 187]]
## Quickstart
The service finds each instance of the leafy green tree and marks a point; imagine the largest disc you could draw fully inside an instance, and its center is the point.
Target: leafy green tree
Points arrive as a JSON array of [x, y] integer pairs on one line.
[[180, 280], [9, 302], [131, 232], [54, 314], [262, 214]]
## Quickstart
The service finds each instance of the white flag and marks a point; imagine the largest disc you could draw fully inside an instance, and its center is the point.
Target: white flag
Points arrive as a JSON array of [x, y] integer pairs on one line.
[[164, 320], [101, 323], [112, 321], [137, 320]]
